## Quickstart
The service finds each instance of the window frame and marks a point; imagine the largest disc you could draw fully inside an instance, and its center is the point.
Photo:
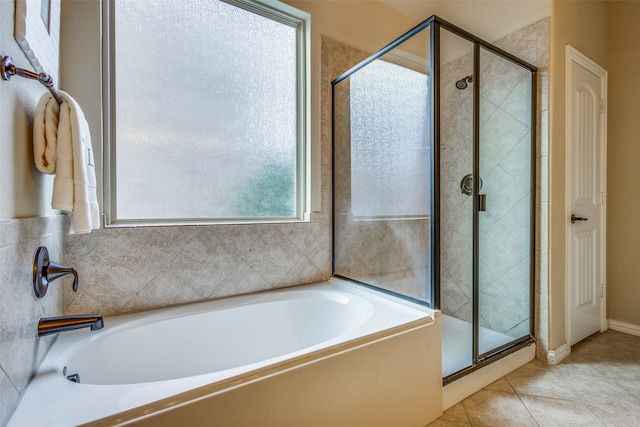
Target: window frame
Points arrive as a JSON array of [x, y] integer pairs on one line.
[[270, 9]]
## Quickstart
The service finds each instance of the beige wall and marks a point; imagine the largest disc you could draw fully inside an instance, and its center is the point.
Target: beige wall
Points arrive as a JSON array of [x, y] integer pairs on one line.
[[582, 24], [24, 192], [623, 201]]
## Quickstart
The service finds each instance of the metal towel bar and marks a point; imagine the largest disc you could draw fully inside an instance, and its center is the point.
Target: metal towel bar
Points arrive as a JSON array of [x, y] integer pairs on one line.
[[8, 69]]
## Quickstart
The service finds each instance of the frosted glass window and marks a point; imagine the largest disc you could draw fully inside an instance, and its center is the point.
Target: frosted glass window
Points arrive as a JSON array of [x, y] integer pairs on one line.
[[207, 113], [389, 142]]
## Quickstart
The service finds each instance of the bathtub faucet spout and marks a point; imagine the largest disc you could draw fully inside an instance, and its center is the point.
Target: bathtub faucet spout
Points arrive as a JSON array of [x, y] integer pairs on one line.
[[55, 325]]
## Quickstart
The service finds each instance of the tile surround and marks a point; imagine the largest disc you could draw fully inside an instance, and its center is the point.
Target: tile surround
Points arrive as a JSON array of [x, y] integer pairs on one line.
[[132, 269], [21, 350], [532, 44]]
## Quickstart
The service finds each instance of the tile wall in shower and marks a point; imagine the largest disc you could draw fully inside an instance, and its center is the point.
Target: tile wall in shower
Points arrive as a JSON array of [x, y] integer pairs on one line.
[[508, 310]]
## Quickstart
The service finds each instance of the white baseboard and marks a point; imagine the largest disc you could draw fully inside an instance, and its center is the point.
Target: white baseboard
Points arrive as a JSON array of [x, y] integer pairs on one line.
[[556, 356], [627, 328]]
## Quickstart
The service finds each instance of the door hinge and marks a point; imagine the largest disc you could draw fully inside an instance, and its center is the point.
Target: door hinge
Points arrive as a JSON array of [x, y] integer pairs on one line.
[[601, 291], [601, 198], [602, 106]]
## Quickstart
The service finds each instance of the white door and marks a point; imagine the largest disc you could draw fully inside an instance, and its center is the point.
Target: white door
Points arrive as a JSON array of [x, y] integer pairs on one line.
[[586, 165]]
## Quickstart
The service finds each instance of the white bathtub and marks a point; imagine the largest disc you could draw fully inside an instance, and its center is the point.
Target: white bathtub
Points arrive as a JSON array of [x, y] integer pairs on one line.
[[332, 353]]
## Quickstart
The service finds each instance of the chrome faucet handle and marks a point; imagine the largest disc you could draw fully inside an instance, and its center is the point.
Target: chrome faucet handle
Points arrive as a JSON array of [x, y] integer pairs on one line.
[[45, 271]]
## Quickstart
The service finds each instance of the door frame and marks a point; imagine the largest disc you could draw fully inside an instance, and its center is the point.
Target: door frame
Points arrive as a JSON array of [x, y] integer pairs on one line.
[[573, 55]]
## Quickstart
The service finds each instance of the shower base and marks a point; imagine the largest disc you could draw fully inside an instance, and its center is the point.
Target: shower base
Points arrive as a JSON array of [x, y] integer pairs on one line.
[[456, 343], [456, 355]]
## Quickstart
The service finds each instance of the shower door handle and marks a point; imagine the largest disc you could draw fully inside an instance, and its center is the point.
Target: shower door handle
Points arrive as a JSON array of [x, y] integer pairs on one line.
[[575, 218], [482, 202]]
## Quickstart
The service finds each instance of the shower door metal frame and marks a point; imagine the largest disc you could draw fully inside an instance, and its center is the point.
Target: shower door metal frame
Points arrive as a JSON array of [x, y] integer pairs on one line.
[[435, 24]]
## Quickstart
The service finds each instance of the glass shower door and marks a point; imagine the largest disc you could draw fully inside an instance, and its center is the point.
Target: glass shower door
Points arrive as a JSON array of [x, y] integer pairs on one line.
[[506, 203], [382, 171], [433, 165], [456, 201]]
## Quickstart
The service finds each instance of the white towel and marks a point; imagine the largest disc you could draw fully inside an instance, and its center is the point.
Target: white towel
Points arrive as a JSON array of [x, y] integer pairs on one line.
[[62, 145], [45, 131]]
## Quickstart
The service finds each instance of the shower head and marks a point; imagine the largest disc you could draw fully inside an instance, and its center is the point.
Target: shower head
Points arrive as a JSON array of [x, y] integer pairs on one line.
[[463, 82]]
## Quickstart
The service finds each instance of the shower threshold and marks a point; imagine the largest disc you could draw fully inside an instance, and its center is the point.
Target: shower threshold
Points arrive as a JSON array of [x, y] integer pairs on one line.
[[457, 342]]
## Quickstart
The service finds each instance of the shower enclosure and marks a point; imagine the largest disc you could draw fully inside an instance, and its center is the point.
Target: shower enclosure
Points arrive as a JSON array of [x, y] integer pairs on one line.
[[434, 186]]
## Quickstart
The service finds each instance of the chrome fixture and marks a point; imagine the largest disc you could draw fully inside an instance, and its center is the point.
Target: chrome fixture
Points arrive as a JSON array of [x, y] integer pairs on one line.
[[463, 82], [8, 69], [575, 219], [45, 271], [55, 325]]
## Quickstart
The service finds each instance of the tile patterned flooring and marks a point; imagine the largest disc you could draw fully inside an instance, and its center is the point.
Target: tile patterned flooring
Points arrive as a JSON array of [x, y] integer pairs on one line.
[[597, 385]]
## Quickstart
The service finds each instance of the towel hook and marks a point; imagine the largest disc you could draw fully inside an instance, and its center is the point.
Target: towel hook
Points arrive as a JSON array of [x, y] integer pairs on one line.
[[8, 69]]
